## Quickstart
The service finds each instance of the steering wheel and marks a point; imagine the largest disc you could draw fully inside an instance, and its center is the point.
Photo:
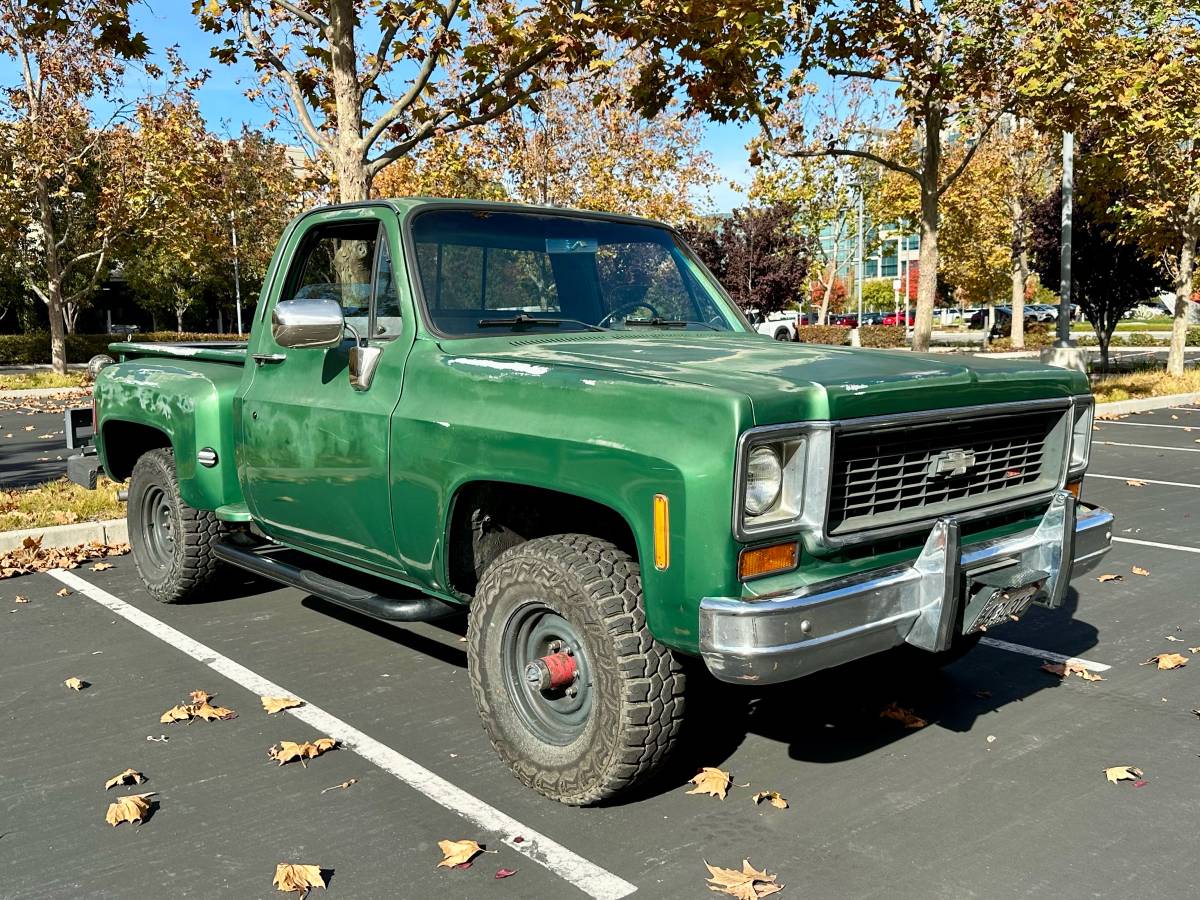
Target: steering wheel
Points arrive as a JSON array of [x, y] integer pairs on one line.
[[627, 308]]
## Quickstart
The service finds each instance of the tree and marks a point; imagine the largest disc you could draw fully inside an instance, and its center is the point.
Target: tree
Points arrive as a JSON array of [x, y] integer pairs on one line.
[[461, 65], [1110, 275], [446, 166], [943, 70], [68, 53], [1141, 92]]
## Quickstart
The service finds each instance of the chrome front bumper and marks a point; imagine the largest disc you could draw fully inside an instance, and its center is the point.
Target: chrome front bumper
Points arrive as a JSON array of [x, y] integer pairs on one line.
[[921, 603]]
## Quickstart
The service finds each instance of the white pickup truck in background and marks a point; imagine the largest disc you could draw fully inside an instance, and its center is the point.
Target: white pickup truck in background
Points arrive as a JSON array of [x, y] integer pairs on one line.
[[779, 325]]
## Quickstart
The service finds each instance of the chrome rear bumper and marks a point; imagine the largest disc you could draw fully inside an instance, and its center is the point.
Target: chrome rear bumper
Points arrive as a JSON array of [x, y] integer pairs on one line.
[[920, 603]]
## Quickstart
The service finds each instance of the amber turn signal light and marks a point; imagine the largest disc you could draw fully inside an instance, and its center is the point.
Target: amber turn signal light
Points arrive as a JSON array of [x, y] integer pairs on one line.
[[1075, 487], [760, 561]]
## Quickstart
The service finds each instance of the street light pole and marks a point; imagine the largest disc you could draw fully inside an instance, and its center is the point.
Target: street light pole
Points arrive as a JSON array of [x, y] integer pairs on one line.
[[1064, 263], [858, 278]]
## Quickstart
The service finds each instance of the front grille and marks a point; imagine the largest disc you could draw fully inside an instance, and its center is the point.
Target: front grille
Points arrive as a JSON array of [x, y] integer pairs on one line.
[[889, 475]]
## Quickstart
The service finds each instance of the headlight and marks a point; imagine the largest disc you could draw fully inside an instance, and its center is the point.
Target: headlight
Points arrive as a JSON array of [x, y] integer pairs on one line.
[[764, 480], [1081, 435]]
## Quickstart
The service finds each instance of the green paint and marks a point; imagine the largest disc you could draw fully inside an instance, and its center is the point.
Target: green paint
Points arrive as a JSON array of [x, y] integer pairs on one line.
[[369, 478]]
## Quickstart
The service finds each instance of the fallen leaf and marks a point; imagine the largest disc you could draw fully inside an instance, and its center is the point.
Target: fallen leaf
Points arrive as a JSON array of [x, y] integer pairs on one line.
[[747, 884], [1104, 578], [1171, 637], [777, 801], [287, 751], [177, 714], [100, 567], [1122, 773], [210, 713], [64, 592], [456, 853], [1193, 649], [129, 776], [1066, 670], [75, 684], [128, 809], [297, 877], [711, 781], [1135, 482], [200, 697], [1167, 660], [1138, 570], [28, 428], [505, 873], [342, 786], [905, 716], [278, 704], [32, 557]]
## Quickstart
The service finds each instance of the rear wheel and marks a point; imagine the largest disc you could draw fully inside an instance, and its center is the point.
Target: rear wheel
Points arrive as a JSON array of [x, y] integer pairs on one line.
[[575, 694], [172, 543], [782, 334]]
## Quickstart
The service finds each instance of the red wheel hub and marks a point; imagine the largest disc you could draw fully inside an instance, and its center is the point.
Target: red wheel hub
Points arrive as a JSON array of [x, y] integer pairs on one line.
[[552, 672]]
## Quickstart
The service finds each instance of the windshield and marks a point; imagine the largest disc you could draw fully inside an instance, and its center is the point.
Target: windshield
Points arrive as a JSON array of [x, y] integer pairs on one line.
[[483, 271]]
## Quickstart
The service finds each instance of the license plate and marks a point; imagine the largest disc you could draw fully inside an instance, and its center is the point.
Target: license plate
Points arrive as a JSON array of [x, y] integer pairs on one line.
[[1004, 604]]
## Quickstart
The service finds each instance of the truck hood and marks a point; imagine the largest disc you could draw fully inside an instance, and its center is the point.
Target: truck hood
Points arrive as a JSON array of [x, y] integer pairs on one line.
[[787, 382]]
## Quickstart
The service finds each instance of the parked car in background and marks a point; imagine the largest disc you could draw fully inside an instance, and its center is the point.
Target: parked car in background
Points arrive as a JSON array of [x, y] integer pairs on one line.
[[1042, 312], [897, 318], [844, 320], [779, 325], [1003, 318]]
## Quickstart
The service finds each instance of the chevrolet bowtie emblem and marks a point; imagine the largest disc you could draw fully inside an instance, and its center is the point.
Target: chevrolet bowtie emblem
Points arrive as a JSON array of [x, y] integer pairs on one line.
[[952, 462]]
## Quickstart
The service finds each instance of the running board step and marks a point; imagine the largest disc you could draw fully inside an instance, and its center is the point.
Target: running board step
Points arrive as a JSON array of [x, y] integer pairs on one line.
[[294, 569]]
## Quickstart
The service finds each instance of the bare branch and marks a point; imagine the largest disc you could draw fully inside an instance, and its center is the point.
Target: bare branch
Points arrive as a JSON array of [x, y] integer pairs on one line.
[[862, 73], [857, 154], [948, 182], [312, 19], [381, 54]]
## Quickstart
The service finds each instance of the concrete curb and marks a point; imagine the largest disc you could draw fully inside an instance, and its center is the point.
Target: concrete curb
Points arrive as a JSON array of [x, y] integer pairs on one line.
[[39, 392], [1145, 404], [109, 531]]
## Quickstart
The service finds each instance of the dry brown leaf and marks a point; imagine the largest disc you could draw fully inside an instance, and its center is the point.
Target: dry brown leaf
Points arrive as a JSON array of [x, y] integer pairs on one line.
[[341, 787], [774, 797], [20, 599], [128, 809], [455, 853], [1167, 660], [278, 704], [129, 776], [711, 781], [1066, 670], [1193, 649], [1138, 570], [100, 567], [32, 557], [287, 751], [1135, 482], [1122, 773], [63, 592], [1104, 578], [211, 713], [1173, 639], [177, 714], [75, 684], [200, 697], [905, 716], [297, 877], [747, 884]]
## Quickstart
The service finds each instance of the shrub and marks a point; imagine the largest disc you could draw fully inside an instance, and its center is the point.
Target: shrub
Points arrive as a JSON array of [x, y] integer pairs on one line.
[[34, 349], [1143, 340], [882, 336], [823, 334], [1193, 336]]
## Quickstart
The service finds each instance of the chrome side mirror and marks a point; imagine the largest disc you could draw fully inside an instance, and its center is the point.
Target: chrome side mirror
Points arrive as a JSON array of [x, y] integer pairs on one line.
[[307, 323], [363, 362]]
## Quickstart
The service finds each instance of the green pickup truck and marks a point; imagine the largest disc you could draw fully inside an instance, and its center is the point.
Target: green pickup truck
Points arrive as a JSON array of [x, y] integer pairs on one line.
[[558, 423]]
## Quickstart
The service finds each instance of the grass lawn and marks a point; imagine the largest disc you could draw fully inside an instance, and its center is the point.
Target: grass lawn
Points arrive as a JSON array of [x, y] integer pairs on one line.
[[1108, 388], [28, 380], [59, 503]]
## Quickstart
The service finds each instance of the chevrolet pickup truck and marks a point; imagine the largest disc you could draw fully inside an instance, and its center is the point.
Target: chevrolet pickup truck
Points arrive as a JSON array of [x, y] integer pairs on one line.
[[558, 423]]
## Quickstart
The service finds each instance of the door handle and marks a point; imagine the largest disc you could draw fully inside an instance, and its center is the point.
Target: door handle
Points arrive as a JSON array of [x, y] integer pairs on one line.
[[263, 358]]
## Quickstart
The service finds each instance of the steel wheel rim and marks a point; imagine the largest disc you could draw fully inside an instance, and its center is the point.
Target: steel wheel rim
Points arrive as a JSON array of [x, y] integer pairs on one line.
[[158, 527], [555, 716]]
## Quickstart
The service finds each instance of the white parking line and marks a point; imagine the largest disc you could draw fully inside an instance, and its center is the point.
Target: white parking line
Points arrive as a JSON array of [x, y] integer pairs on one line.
[[1143, 480], [1149, 446], [567, 865], [1181, 548], [1145, 424], [1045, 654]]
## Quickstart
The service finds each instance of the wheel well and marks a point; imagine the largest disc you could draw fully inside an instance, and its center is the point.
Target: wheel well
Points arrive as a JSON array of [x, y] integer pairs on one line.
[[125, 442], [489, 517]]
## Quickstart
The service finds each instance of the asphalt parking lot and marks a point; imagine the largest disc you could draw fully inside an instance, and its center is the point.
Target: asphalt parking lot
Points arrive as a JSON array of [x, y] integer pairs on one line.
[[27, 455], [1002, 794]]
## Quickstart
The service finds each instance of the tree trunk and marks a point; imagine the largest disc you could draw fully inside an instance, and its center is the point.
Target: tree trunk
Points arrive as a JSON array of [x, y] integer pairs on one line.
[[1184, 280], [53, 294], [1020, 274], [354, 181], [927, 267], [179, 320], [71, 316], [58, 336]]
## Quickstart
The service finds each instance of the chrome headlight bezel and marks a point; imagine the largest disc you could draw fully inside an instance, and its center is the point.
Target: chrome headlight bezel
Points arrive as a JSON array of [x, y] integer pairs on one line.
[[1083, 411], [803, 453]]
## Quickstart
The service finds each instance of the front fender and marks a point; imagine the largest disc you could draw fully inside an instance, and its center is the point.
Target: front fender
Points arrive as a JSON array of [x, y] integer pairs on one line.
[[190, 403]]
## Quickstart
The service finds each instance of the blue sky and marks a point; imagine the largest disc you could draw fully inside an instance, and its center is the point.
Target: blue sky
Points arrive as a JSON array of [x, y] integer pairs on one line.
[[222, 99]]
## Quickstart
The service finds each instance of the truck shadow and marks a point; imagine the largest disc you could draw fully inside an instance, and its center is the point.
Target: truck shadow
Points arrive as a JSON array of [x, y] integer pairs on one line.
[[837, 714]]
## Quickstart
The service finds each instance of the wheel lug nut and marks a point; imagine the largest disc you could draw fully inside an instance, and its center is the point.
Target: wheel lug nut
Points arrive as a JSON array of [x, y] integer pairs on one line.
[[572, 691]]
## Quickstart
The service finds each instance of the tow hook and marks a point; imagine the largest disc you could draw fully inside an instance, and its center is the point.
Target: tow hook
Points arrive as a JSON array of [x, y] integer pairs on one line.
[[552, 672]]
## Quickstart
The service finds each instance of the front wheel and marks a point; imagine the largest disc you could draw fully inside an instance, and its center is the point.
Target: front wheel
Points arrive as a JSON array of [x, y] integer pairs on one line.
[[172, 543], [783, 334], [577, 697]]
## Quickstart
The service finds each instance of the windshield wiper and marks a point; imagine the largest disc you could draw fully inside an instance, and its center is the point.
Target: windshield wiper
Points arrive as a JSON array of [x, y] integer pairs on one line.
[[523, 320], [659, 320]]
